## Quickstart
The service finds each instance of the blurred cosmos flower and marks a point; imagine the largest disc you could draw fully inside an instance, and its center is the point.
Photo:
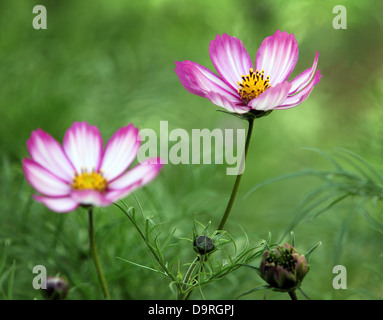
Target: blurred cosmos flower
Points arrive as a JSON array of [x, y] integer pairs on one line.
[[283, 268], [82, 171], [56, 288], [241, 86]]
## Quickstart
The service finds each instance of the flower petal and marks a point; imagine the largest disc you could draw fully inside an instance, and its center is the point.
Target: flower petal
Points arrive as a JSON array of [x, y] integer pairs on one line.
[[83, 146], [277, 55], [90, 197], [43, 180], [230, 58], [120, 152], [140, 175], [304, 78], [199, 80], [60, 205], [271, 98], [298, 98], [47, 152], [114, 195], [223, 102]]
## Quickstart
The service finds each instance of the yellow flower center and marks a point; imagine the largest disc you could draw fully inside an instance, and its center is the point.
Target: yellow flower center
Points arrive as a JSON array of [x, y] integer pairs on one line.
[[253, 85], [89, 181]]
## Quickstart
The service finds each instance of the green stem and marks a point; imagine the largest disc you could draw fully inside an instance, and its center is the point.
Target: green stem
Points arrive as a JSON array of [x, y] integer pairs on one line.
[[238, 179], [293, 295], [150, 247], [189, 272], [96, 260]]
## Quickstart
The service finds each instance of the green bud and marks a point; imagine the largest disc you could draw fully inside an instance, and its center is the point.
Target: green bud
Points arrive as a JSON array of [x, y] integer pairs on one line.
[[283, 268]]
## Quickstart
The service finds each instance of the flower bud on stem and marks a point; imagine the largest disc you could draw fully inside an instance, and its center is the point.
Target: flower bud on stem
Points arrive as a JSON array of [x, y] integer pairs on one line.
[[283, 268], [56, 288]]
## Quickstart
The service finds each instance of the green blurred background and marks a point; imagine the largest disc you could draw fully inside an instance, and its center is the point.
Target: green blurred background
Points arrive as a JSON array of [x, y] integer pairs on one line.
[[112, 63]]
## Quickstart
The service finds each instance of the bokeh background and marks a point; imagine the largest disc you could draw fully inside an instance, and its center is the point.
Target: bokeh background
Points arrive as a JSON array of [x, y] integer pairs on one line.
[[111, 63]]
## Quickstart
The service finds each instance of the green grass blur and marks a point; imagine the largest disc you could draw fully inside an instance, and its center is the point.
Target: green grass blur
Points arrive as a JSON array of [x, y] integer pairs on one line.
[[112, 63]]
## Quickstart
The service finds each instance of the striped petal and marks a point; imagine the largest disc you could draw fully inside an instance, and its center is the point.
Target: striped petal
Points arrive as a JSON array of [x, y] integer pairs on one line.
[[83, 146], [140, 175], [60, 205], [272, 97], [120, 151], [199, 80], [230, 58], [298, 98], [114, 195], [304, 78], [47, 152], [277, 55], [90, 197], [44, 181], [231, 106]]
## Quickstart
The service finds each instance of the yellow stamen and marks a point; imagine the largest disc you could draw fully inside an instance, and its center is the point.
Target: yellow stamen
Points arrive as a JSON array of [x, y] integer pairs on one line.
[[89, 181], [253, 85]]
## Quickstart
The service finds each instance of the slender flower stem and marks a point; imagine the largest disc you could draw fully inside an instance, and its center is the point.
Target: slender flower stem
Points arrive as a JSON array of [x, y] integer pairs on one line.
[[96, 260], [238, 179], [293, 295]]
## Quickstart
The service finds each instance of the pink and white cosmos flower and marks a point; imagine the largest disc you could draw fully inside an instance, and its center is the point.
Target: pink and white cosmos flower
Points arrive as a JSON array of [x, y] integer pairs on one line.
[[82, 171], [240, 86]]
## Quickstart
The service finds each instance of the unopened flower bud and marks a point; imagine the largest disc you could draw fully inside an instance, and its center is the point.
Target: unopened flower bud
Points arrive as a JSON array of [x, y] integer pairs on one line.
[[203, 245], [56, 288], [283, 268]]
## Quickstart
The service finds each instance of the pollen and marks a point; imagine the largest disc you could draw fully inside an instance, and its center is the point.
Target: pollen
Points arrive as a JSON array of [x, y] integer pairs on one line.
[[89, 181], [253, 85]]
